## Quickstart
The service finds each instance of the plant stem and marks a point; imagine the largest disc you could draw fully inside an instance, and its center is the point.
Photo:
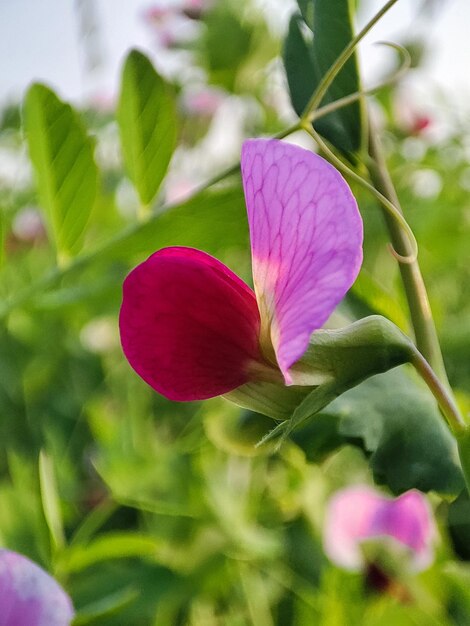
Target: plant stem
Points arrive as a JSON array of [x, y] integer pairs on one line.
[[358, 95], [334, 70], [420, 311], [440, 391]]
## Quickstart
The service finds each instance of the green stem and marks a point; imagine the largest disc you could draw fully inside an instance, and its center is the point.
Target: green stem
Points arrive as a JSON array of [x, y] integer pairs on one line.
[[334, 70], [449, 409], [359, 95], [443, 396], [420, 311]]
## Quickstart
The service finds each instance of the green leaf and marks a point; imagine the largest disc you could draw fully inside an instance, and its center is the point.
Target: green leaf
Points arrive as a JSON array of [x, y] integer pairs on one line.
[[213, 221], [117, 545], [459, 524], [50, 500], [302, 74], [400, 425], [225, 53], [319, 437], [463, 442], [394, 419], [148, 124], [307, 59], [306, 8], [62, 158], [105, 607]]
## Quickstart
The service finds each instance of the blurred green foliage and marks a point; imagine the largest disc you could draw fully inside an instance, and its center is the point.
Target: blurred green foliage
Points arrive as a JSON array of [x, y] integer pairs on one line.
[[154, 513]]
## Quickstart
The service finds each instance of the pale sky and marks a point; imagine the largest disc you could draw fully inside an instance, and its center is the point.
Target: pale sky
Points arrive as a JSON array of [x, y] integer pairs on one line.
[[39, 40]]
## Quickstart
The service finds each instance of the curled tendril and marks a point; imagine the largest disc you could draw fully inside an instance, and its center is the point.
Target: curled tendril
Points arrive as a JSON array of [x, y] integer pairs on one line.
[[389, 206], [357, 95], [401, 258]]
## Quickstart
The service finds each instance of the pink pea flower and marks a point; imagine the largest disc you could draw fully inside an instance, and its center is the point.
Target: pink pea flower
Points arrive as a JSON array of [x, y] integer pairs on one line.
[[192, 329], [359, 514], [29, 596]]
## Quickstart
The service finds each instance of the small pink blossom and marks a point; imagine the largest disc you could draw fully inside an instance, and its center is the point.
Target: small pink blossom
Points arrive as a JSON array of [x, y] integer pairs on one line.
[[359, 514], [420, 123], [29, 596], [203, 102], [411, 118], [193, 330], [174, 24], [28, 225]]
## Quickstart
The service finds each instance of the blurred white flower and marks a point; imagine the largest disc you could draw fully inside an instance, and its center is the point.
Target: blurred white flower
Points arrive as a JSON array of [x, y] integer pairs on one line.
[[100, 335], [28, 225], [426, 183]]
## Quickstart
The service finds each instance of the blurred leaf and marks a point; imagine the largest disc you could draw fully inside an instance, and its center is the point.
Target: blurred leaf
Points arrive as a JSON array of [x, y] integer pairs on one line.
[[23, 527], [307, 60], [458, 576], [2, 238], [378, 299], [148, 124], [50, 500], [105, 607], [211, 220], [62, 158], [238, 432], [400, 426], [214, 221], [319, 437], [307, 9], [227, 42], [463, 443], [459, 525], [110, 587], [110, 546]]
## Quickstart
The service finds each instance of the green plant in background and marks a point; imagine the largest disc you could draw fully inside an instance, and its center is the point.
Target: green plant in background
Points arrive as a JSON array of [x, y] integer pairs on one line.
[[153, 512]]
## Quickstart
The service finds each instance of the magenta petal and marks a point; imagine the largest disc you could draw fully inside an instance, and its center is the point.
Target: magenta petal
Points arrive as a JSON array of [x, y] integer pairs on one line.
[[29, 596], [306, 240], [189, 326], [359, 514], [408, 520]]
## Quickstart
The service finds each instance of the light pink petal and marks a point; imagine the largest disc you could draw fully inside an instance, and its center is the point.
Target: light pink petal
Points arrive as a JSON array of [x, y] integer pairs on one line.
[[29, 596], [347, 523], [306, 240], [358, 514], [189, 326]]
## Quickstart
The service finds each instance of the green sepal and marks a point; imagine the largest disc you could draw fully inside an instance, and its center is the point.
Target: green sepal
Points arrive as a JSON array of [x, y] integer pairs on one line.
[[335, 361], [271, 399]]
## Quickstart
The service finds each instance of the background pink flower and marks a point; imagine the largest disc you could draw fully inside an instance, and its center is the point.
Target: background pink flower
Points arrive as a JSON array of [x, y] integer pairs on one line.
[[359, 514]]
